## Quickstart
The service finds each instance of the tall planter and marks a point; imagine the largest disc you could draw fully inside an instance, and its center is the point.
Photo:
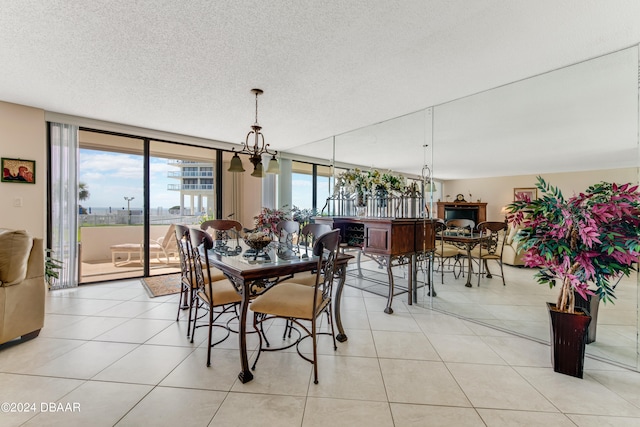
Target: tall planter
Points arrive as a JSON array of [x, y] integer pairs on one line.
[[590, 306], [568, 340]]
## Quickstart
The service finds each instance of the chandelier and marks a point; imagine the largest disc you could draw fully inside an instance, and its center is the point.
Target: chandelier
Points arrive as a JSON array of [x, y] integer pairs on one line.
[[256, 151]]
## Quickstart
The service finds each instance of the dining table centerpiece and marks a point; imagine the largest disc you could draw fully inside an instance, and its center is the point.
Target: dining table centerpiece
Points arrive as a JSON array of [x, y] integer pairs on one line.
[[268, 219], [585, 244]]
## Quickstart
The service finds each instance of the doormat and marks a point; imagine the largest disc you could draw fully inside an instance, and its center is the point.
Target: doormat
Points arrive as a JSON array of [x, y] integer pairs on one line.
[[157, 286], [377, 282]]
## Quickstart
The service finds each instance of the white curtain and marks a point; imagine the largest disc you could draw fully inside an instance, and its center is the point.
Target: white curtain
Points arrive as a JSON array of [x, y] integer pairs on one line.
[[64, 202]]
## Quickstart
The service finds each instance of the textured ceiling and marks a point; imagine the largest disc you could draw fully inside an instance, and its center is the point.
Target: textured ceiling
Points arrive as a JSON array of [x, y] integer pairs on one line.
[[327, 67]]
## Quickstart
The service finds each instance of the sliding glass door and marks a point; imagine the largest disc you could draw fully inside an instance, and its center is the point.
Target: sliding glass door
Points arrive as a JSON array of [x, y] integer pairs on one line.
[[111, 206], [131, 190], [181, 191]]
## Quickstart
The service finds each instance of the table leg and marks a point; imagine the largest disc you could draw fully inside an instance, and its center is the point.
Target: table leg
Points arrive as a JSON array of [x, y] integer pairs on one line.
[[341, 275], [389, 310], [414, 277], [245, 374], [429, 274], [411, 283], [468, 284]]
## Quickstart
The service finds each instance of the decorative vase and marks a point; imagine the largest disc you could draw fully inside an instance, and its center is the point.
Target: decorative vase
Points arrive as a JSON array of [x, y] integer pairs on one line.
[[381, 197], [361, 204], [590, 306], [568, 339]]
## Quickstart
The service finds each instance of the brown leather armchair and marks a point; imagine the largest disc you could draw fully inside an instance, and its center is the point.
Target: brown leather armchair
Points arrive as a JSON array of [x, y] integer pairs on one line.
[[22, 285]]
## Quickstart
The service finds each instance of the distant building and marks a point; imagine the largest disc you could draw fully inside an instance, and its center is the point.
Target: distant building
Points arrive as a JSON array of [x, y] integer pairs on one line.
[[196, 183]]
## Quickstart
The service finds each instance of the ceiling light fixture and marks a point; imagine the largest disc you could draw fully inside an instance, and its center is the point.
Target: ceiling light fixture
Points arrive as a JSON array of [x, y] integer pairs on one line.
[[256, 151]]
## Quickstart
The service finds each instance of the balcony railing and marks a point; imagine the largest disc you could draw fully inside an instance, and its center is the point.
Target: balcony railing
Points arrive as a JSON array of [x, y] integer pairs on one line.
[[190, 174], [190, 187], [188, 162]]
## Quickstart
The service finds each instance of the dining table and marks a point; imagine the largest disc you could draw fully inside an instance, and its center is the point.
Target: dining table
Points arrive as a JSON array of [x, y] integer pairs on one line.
[[463, 239], [253, 272]]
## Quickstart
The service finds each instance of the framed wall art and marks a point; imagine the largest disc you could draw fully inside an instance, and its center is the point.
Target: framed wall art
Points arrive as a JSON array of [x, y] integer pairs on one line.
[[522, 193], [18, 171]]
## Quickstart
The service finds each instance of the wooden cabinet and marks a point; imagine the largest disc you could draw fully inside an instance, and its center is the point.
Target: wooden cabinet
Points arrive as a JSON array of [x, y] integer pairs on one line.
[[388, 241], [383, 236]]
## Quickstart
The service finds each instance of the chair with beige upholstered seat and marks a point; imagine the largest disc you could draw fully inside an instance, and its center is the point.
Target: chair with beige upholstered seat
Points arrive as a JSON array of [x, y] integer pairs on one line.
[[225, 234], [307, 239], [186, 274], [493, 237], [298, 303], [461, 224], [445, 254], [211, 294], [188, 284], [308, 236], [288, 233]]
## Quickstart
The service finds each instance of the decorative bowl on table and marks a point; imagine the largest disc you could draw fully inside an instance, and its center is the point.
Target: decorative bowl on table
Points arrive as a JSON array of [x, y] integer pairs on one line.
[[257, 240]]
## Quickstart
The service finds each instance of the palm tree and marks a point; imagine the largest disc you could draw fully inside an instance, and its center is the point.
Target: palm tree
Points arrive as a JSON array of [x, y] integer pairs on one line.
[[83, 194], [83, 191]]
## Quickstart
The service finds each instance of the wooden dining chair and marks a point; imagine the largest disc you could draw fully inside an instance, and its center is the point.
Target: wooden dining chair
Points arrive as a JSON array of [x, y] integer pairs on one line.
[[446, 254], [188, 284], [222, 231], [211, 295], [468, 224], [493, 235], [287, 231], [298, 303], [183, 242], [311, 232], [308, 236]]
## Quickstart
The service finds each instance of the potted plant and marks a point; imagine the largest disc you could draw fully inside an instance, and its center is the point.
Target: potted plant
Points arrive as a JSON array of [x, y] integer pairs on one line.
[[371, 183], [584, 243], [52, 266], [357, 182], [303, 216]]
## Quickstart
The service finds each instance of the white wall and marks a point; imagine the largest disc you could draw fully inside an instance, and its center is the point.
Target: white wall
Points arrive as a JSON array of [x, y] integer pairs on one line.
[[498, 192], [23, 135]]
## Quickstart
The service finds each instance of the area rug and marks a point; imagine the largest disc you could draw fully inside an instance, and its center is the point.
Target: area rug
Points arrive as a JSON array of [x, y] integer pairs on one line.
[[158, 286]]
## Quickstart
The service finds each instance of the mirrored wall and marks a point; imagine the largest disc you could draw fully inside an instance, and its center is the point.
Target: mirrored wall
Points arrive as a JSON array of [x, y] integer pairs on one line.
[[574, 126]]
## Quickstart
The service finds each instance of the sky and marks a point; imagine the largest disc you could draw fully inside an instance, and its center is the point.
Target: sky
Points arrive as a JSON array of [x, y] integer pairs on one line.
[[110, 177]]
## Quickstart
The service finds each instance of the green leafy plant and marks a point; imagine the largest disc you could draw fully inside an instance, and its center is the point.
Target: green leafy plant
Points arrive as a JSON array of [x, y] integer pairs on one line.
[[52, 267], [302, 216], [206, 217], [366, 182], [590, 238]]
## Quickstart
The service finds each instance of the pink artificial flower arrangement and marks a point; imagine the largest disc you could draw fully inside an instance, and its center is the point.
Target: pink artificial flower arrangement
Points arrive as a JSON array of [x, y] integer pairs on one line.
[[268, 219], [590, 238]]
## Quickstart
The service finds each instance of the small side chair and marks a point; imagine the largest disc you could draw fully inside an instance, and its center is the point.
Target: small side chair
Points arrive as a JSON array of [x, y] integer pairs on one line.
[[298, 303]]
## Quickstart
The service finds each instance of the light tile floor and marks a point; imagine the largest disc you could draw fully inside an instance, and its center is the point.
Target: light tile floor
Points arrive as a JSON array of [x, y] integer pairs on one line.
[[121, 357]]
